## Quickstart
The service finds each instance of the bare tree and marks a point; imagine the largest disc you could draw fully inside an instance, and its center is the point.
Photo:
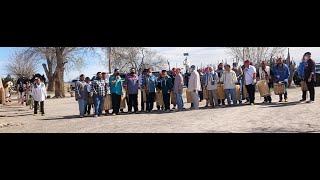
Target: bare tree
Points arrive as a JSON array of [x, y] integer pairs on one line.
[[256, 54], [124, 58], [46, 56], [21, 65], [60, 59]]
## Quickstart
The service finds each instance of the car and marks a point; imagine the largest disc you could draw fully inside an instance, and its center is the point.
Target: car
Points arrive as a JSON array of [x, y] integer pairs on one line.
[[156, 73], [317, 74]]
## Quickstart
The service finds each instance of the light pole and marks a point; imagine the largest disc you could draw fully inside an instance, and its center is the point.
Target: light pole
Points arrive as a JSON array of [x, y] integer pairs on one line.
[[186, 62]]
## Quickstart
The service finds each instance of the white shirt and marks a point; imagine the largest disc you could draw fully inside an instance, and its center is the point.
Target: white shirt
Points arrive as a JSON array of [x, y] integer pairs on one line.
[[39, 92], [229, 79], [194, 82], [248, 74]]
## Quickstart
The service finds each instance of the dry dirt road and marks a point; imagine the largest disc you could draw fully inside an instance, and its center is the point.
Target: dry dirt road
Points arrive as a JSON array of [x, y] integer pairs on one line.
[[62, 117]]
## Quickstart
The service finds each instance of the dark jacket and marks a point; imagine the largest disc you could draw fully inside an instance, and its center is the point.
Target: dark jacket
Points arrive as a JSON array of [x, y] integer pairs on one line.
[[165, 84]]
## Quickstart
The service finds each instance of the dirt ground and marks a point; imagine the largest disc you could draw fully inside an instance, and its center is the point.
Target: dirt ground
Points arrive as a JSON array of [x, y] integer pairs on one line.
[[62, 117]]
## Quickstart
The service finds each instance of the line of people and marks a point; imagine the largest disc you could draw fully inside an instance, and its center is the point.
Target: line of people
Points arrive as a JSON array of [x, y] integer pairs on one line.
[[237, 84]]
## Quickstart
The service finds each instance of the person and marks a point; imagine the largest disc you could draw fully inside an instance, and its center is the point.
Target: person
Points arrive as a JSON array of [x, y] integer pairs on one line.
[[204, 89], [281, 73], [173, 76], [210, 80], [141, 77], [239, 74], [22, 85], [194, 86], [309, 77], [132, 87], [200, 93], [105, 78], [229, 79], [39, 94], [166, 86], [158, 89], [81, 95], [116, 91], [99, 88], [220, 71], [264, 73], [149, 84], [178, 88], [250, 80], [90, 100]]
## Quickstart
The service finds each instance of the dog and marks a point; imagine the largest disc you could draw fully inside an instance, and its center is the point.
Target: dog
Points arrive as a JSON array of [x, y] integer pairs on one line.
[[30, 102]]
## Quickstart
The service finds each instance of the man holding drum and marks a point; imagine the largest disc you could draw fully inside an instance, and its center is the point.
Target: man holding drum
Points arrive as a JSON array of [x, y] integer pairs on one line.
[[265, 74], [281, 74]]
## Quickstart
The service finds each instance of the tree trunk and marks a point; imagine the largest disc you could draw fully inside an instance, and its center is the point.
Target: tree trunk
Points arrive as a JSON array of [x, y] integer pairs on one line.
[[59, 81], [50, 75]]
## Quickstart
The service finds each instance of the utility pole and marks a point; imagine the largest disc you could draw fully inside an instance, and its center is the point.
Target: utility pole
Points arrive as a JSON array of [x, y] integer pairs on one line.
[[109, 54]]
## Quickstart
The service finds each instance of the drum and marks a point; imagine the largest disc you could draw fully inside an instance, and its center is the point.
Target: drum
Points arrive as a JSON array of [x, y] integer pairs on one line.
[[173, 98], [237, 93], [107, 102], [159, 98], [304, 86], [220, 92], [263, 88], [123, 101], [205, 93], [279, 88], [244, 92], [189, 97]]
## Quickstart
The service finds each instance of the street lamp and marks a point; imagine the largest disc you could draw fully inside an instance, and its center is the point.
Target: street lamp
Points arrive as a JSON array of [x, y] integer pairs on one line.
[[186, 62]]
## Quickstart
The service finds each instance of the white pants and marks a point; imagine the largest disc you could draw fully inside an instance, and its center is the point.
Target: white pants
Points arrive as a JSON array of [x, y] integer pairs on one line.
[[195, 99]]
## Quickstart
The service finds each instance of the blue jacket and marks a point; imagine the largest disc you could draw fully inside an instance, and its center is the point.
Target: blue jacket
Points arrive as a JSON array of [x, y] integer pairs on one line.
[[204, 78], [166, 84], [302, 66], [117, 87], [152, 83], [282, 71]]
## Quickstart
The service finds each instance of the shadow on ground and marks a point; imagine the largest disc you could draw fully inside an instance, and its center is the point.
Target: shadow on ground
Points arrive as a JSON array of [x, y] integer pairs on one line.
[[282, 104]]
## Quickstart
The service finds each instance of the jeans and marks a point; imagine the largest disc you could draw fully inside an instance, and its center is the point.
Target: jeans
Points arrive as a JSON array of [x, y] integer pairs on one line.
[[200, 95], [98, 104], [150, 101], [88, 108], [241, 87], [116, 100], [311, 91], [231, 92], [166, 100], [195, 100], [285, 91], [133, 101], [251, 91], [179, 101], [82, 106], [36, 103]]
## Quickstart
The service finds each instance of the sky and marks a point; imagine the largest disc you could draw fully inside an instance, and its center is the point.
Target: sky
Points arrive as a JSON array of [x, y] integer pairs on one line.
[[197, 55]]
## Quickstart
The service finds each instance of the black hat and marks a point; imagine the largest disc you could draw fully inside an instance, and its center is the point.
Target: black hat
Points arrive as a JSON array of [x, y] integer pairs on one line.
[[164, 71], [307, 53]]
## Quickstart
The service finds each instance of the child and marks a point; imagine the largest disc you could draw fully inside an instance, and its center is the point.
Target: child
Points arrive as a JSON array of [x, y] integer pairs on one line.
[[24, 100]]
